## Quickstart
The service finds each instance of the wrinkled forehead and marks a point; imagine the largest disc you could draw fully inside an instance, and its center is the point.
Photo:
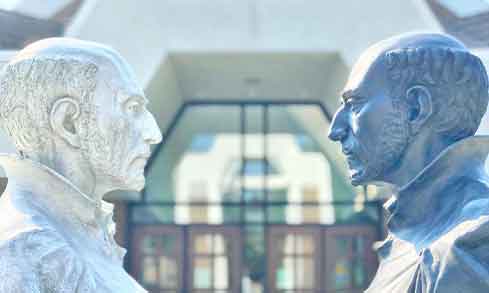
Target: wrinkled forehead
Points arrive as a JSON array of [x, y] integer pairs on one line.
[[112, 69]]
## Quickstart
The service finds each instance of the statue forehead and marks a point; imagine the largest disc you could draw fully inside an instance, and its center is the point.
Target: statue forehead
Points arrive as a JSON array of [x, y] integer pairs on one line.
[[370, 66], [111, 65]]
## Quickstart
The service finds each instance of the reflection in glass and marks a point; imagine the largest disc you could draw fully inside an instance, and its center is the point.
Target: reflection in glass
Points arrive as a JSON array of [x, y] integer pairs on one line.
[[254, 270], [304, 244], [168, 272], [149, 244], [304, 169], [149, 271], [168, 244], [202, 273], [181, 173], [359, 273], [221, 272], [220, 244], [305, 273], [254, 214], [276, 214], [203, 244], [342, 273], [153, 215], [285, 274]]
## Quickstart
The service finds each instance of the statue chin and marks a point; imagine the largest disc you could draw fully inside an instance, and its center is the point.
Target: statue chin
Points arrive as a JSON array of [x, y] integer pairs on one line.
[[357, 176]]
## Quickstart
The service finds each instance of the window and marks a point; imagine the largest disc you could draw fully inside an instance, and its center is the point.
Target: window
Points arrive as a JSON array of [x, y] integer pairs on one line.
[[258, 167], [250, 167]]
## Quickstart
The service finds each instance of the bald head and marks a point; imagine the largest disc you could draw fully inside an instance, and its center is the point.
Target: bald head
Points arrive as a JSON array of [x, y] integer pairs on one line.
[[46, 71], [455, 78]]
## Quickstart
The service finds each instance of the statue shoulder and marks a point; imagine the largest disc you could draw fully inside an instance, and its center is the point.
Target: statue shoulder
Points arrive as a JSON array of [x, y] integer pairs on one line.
[[43, 261], [458, 261]]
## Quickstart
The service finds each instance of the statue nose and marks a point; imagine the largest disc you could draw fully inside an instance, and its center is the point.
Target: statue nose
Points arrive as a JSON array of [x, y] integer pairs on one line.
[[338, 130], [337, 133], [152, 133]]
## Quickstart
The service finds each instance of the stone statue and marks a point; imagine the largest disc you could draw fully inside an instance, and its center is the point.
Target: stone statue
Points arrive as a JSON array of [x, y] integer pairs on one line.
[[79, 122], [410, 109]]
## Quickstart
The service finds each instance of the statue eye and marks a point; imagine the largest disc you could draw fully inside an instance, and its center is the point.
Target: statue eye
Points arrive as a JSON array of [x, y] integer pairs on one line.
[[356, 105], [133, 107]]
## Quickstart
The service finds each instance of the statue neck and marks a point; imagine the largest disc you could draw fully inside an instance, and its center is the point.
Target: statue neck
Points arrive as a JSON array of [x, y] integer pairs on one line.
[[418, 154], [74, 166]]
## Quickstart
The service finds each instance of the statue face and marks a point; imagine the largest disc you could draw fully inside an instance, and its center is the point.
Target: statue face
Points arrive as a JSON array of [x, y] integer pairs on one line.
[[118, 142], [370, 125]]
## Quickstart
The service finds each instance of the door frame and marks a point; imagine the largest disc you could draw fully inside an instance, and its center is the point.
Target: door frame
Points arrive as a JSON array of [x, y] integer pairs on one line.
[[143, 230], [314, 230], [230, 232]]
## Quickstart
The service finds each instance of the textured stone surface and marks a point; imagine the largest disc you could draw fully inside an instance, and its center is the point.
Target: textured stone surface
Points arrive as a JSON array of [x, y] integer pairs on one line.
[[81, 128], [410, 110]]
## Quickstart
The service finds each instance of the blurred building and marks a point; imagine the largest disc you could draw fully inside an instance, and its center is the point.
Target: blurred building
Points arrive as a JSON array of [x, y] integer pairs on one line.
[[245, 193]]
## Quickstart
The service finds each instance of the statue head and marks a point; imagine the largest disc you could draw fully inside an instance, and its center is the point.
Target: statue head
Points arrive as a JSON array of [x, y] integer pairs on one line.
[[412, 94], [75, 106]]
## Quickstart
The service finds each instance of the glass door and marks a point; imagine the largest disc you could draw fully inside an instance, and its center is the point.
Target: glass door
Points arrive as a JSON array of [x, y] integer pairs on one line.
[[294, 264], [349, 258], [157, 258], [214, 259]]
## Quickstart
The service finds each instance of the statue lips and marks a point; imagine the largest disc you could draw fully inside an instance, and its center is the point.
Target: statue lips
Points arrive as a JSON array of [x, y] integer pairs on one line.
[[140, 161], [354, 164]]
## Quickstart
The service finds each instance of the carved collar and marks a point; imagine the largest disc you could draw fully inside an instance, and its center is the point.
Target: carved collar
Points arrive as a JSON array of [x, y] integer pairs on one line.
[[431, 193], [27, 178], [33, 185]]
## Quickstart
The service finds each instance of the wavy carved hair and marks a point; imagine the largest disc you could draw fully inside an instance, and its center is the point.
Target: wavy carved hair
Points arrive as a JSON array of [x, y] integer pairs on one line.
[[456, 79], [28, 89]]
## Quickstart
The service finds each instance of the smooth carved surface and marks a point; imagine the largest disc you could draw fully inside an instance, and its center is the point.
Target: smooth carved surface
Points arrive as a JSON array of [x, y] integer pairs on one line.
[[410, 109], [80, 125]]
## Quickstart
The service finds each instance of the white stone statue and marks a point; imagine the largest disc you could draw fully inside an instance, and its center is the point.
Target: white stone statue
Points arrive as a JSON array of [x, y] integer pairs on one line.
[[80, 125]]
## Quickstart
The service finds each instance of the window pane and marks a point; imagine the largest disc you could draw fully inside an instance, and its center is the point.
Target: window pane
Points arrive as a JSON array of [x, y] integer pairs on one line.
[[168, 244], [305, 273], [305, 244], [277, 214], [231, 214], [254, 215], [149, 271], [283, 242], [254, 270], [342, 273], [284, 276], [342, 270], [202, 273], [221, 273], [153, 214], [204, 136], [255, 167], [277, 191], [296, 145], [207, 214], [168, 272], [220, 244], [149, 244], [203, 244], [359, 273]]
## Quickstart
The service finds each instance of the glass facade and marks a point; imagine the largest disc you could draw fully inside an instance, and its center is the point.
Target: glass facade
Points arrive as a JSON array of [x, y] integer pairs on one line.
[[249, 195]]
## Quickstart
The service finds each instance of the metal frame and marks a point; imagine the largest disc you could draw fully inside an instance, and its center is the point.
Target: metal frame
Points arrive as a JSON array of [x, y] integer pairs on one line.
[[242, 224]]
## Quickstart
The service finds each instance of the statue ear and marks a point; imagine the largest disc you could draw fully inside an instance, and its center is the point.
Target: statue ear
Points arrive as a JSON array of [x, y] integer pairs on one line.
[[62, 116], [420, 106]]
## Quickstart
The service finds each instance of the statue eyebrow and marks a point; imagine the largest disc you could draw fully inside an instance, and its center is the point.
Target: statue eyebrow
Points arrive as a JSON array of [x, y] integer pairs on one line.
[[134, 96], [345, 96], [349, 95]]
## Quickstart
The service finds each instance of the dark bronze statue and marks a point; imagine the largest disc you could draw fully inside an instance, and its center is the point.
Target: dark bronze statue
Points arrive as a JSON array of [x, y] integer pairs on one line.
[[410, 110]]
